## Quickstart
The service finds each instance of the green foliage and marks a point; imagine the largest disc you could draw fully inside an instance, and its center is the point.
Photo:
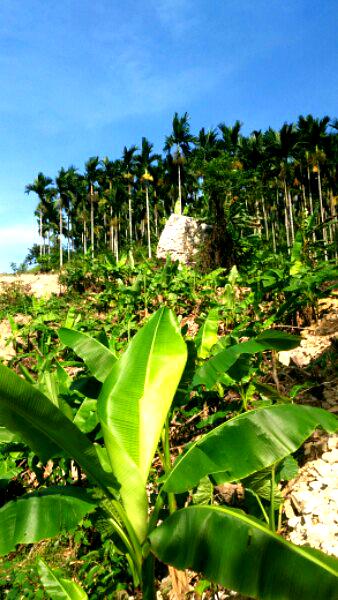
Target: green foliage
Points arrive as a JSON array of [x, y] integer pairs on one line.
[[133, 407], [241, 554]]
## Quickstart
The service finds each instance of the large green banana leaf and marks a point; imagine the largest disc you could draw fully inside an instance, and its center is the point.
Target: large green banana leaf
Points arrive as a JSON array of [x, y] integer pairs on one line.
[[219, 364], [247, 443], [133, 405], [207, 335], [41, 425], [238, 552], [59, 588], [41, 515], [98, 358]]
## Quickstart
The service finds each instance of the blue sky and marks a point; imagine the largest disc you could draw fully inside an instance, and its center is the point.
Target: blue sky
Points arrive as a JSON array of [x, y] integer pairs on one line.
[[83, 77]]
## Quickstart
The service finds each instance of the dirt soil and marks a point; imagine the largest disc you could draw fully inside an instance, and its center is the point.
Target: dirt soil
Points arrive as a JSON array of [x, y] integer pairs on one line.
[[40, 284]]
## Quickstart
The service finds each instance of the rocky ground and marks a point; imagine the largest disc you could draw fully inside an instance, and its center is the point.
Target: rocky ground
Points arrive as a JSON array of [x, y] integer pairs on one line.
[[311, 504]]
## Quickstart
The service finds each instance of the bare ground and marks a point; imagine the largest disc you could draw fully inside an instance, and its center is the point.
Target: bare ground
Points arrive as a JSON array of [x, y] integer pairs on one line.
[[40, 284]]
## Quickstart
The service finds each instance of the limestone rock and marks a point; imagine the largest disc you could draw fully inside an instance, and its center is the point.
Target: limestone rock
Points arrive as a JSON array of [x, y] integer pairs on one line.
[[313, 495], [183, 238]]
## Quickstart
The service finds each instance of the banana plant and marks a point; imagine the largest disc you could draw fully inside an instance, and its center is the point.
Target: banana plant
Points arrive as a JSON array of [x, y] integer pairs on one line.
[[226, 545]]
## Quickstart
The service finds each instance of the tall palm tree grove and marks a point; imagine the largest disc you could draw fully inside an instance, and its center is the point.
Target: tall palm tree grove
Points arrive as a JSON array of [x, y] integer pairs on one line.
[[259, 189]]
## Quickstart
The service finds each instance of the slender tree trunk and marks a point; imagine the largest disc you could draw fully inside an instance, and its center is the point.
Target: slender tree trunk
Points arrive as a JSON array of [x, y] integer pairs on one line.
[[266, 227], [40, 230], [148, 221], [84, 236], [292, 229], [302, 187], [68, 237], [60, 235], [322, 213], [105, 227], [258, 229], [179, 189], [116, 242], [130, 215], [310, 200], [286, 202], [92, 240], [156, 220], [273, 234]]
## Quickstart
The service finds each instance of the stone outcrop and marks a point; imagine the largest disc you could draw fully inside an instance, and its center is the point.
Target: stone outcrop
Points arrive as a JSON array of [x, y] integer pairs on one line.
[[311, 504], [183, 239]]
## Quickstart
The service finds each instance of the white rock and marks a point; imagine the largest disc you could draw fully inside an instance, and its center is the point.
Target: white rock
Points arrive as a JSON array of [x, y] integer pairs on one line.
[[294, 522], [182, 238], [332, 442], [331, 457]]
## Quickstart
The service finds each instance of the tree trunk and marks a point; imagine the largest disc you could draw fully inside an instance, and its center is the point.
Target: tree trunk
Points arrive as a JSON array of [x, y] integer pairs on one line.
[[322, 213], [148, 221], [310, 200], [40, 230], [265, 219], [179, 189], [68, 237], [292, 229], [60, 235], [273, 233], [130, 215], [92, 220], [105, 228], [286, 202], [156, 220]]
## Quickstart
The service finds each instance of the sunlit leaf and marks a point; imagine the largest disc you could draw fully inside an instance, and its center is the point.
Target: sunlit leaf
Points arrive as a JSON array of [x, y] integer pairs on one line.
[[98, 358], [133, 405], [247, 443]]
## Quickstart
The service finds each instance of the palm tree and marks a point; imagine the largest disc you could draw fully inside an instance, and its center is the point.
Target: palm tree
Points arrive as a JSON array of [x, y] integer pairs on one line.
[[92, 173], [40, 186], [144, 161], [179, 139], [230, 137], [281, 149], [64, 188], [128, 170], [113, 193], [313, 138]]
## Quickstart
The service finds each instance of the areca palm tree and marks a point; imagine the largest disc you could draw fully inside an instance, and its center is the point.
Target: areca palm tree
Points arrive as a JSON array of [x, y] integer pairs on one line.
[[144, 161], [313, 138], [114, 195], [179, 140], [65, 182], [230, 137], [92, 173], [128, 169], [40, 186], [280, 146]]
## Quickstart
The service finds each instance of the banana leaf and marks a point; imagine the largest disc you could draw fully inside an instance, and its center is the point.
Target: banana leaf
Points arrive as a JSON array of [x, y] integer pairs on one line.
[[207, 335], [98, 358], [247, 443], [29, 414], [41, 515], [220, 363], [133, 405], [59, 588], [238, 552]]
